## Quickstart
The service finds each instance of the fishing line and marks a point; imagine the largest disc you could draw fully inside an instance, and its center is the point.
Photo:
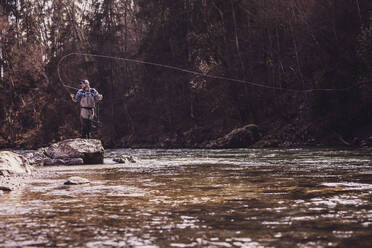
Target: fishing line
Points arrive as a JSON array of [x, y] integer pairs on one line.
[[258, 85]]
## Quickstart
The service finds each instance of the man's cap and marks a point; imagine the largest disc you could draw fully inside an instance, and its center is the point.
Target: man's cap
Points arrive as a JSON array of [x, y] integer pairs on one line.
[[85, 81]]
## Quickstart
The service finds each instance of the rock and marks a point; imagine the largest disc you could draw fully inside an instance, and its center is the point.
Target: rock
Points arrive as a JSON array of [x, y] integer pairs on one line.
[[124, 159], [12, 163], [238, 138], [68, 152], [5, 189], [39, 158], [76, 181], [36, 157], [66, 161], [90, 151]]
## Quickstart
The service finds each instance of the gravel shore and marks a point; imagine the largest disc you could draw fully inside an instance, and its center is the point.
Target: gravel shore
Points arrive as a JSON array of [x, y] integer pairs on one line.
[[13, 182]]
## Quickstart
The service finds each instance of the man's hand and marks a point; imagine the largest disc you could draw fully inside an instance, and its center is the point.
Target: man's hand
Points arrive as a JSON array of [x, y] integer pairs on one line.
[[72, 96], [100, 97]]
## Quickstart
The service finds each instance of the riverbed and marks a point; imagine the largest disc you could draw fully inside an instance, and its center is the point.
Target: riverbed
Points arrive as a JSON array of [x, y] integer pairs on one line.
[[198, 198]]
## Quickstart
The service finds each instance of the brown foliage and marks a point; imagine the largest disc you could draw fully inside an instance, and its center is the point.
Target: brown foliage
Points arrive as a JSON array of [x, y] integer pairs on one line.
[[295, 44]]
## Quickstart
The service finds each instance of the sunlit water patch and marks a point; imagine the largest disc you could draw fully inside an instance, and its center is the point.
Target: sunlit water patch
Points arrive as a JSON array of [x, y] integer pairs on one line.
[[198, 198]]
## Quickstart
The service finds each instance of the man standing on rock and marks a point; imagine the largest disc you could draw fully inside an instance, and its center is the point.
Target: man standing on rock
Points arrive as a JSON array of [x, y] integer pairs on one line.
[[88, 97]]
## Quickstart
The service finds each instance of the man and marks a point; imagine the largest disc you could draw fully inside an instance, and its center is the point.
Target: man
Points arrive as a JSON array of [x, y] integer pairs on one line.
[[87, 97]]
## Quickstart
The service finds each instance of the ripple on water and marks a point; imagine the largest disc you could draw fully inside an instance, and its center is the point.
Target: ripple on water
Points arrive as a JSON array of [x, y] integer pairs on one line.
[[198, 198], [349, 185], [87, 191]]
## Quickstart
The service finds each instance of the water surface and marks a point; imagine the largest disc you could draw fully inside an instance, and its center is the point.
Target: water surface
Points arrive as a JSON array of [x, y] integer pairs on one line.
[[198, 198]]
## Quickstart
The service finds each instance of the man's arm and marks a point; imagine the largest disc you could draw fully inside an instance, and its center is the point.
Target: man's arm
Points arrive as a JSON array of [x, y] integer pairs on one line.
[[96, 95], [76, 97]]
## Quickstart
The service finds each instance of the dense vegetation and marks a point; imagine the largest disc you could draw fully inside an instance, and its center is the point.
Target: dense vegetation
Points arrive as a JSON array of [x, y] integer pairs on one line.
[[293, 44]]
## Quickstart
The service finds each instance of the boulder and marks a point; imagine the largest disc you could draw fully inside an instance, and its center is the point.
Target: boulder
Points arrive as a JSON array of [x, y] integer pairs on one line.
[[238, 138], [66, 161], [90, 151], [76, 181], [5, 189], [67, 152], [39, 158], [35, 157], [122, 159], [12, 163]]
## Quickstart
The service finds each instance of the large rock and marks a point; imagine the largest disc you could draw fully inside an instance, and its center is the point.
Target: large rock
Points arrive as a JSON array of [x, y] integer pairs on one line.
[[90, 151], [67, 152], [12, 163], [238, 138], [34, 157], [39, 158], [66, 161]]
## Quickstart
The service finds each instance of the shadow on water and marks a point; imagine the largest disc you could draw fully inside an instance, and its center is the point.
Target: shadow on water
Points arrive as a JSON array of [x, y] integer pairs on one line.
[[198, 198]]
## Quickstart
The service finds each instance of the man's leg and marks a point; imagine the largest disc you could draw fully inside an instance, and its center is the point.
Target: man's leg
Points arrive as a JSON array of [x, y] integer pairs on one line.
[[89, 127], [84, 128]]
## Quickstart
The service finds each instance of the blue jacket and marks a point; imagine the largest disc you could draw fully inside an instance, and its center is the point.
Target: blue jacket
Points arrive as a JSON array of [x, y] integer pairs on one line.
[[87, 101], [90, 93]]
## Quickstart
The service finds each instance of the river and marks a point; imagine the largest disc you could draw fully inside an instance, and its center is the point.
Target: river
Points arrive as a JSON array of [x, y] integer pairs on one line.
[[198, 198]]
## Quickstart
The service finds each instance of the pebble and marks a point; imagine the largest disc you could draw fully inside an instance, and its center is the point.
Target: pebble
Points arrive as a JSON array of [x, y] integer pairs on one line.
[[76, 181], [124, 159]]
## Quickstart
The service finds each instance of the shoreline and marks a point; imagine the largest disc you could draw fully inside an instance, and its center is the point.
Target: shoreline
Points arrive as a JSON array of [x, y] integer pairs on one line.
[[320, 146]]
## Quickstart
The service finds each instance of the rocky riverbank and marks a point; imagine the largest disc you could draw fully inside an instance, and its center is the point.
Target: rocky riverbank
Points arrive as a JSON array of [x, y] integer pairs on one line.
[[16, 167], [68, 152]]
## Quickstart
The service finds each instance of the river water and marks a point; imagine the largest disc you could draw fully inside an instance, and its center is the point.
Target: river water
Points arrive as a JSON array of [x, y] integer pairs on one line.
[[198, 198]]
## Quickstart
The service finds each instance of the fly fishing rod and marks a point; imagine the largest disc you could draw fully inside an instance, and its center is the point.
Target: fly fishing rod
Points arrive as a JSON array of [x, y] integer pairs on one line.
[[175, 68]]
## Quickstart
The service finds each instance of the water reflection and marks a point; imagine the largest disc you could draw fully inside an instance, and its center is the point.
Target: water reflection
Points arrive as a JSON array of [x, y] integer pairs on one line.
[[198, 198]]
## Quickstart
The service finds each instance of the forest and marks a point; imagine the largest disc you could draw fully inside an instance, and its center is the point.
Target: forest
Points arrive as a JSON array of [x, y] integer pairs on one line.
[[300, 70]]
